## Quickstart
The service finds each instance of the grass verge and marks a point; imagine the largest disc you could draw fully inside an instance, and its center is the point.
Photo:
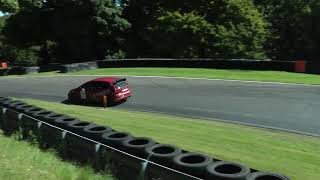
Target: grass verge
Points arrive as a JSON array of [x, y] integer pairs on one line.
[[267, 76], [296, 156], [19, 160]]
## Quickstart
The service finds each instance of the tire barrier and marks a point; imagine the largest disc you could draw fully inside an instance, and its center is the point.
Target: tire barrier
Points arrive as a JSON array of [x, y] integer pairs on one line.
[[52, 137], [95, 132], [23, 70], [78, 67], [108, 150], [18, 70], [311, 67], [192, 163], [2, 111], [42, 114], [162, 154], [79, 149], [52, 117], [3, 99], [133, 167], [49, 137], [22, 108], [15, 104], [5, 72], [63, 121], [7, 102], [78, 127], [115, 139], [2, 114], [11, 122], [223, 170], [30, 128], [265, 176], [245, 64], [31, 110], [137, 146], [10, 119]]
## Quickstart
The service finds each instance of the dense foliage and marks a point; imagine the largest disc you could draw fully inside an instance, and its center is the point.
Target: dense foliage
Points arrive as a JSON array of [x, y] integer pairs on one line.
[[44, 31], [211, 28], [288, 26]]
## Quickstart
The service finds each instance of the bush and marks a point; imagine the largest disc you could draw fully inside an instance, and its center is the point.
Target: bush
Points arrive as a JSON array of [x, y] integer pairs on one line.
[[20, 57]]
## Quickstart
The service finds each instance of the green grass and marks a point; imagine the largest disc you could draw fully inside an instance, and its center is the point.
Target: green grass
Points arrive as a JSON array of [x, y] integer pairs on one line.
[[19, 160], [268, 76], [296, 156]]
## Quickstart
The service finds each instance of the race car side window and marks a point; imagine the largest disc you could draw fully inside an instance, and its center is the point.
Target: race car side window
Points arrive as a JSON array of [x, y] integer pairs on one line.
[[101, 85], [87, 85]]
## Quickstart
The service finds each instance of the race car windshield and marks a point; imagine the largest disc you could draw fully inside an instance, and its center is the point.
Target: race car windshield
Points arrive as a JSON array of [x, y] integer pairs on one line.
[[121, 84]]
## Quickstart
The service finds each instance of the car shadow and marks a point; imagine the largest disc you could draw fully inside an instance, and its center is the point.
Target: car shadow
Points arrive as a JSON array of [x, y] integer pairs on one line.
[[114, 104]]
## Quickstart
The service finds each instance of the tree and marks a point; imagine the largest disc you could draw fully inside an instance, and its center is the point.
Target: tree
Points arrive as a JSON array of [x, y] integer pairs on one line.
[[26, 28], [314, 31], [169, 32], [231, 28], [70, 30], [13, 6], [288, 37], [26, 56], [9, 6], [86, 29]]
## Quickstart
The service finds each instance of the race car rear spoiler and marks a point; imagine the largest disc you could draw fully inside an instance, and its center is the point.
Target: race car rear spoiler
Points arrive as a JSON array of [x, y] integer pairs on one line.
[[119, 80]]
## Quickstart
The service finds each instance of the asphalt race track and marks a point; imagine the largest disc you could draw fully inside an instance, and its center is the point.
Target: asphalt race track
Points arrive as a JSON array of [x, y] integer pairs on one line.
[[282, 106]]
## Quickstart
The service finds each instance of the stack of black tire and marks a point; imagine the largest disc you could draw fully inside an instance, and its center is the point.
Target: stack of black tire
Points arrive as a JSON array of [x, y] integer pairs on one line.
[[107, 149]]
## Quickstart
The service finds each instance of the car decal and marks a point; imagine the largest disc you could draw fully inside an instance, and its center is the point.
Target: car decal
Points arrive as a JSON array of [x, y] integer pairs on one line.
[[83, 94]]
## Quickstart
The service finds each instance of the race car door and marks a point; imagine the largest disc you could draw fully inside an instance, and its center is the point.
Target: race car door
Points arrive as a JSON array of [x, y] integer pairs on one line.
[[99, 90]]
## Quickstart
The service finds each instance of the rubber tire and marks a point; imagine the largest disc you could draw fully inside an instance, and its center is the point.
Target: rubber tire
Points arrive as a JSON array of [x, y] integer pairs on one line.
[[33, 109], [22, 108], [52, 117], [1, 117], [7, 102], [137, 146], [11, 122], [63, 121], [41, 115], [239, 173], [195, 169], [95, 132], [266, 176], [165, 158], [15, 104], [4, 99], [78, 127], [115, 139], [29, 125]]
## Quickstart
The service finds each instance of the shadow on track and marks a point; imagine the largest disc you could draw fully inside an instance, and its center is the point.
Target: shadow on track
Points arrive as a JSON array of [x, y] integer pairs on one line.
[[110, 104]]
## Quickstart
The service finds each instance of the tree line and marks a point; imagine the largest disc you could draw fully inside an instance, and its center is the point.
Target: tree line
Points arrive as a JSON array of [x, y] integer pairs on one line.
[[65, 31]]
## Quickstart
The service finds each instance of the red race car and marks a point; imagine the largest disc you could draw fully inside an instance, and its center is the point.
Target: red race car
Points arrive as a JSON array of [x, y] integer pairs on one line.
[[115, 89]]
